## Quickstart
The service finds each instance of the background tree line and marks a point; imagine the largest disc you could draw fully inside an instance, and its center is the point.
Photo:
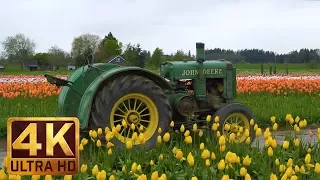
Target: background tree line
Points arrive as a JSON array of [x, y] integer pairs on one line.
[[84, 47]]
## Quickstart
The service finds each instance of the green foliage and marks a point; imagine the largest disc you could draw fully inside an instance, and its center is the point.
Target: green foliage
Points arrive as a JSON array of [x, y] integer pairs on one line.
[[112, 48], [131, 54], [156, 58], [43, 58]]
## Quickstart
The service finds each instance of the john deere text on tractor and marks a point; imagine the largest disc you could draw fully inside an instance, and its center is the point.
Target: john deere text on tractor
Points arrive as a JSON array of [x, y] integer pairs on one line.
[[109, 95]]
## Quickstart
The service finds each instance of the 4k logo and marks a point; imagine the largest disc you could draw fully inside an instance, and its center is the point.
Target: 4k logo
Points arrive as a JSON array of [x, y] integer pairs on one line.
[[43, 145]]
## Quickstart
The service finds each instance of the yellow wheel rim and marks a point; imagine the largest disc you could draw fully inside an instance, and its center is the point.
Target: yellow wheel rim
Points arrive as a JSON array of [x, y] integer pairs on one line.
[[136, 109], [236, 122]]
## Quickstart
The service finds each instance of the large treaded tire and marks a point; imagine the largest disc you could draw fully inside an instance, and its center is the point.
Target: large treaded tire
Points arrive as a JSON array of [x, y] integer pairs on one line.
[[108, 95], [228, 109]]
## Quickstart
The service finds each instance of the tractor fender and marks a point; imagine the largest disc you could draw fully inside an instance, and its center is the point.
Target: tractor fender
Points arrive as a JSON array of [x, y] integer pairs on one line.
[[108, 76]]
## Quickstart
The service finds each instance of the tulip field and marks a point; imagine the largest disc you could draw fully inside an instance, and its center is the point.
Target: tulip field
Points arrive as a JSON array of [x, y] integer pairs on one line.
[[278, 102]]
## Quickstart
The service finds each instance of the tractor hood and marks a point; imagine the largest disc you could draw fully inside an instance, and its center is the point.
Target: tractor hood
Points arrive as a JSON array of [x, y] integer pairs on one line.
[[190, 69]]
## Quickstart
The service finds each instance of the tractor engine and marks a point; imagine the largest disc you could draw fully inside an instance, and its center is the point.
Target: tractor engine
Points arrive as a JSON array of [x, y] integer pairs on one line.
[[200, 86]]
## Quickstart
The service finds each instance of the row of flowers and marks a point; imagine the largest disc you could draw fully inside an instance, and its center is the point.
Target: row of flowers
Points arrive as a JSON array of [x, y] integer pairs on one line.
[[37, 86]]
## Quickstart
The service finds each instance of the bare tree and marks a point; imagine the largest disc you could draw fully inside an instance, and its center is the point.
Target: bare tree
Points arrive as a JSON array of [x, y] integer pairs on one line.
[[18, 47], [57, 56]]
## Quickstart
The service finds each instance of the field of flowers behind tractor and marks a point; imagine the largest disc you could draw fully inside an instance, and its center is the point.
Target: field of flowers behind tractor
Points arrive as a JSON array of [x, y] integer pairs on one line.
[[266, 95], [193, 153]]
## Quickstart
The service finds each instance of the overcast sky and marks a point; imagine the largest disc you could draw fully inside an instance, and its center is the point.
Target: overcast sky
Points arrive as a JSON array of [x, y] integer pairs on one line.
[[277, 25]]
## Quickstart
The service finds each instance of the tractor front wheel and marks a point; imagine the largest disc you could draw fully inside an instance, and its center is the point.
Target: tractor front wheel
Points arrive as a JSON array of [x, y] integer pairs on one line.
[[134, 105], [235, 118]]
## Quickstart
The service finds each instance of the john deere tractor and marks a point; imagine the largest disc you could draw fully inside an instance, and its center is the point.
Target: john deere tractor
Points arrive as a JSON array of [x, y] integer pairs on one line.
[[188, 91]]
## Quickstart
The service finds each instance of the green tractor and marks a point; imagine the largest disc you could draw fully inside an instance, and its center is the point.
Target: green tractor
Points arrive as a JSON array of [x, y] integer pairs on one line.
[[106, 95]]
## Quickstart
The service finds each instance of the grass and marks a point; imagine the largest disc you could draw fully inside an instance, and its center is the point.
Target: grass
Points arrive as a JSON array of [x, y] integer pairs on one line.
[[263, 106], [241, 69]]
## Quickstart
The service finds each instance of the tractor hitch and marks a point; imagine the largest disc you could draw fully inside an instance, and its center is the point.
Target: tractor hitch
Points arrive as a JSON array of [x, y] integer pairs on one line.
[[57, 81]]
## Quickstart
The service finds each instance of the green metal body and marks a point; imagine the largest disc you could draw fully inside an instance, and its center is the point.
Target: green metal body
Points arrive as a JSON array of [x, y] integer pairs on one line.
[[75, 100], [212, 69]]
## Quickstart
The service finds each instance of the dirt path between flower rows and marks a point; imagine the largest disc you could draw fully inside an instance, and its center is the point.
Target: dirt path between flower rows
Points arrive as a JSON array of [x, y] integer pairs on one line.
[[279, 135]]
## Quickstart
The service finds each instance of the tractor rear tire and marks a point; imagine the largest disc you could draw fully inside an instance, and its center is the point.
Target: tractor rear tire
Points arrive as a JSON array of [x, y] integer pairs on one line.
[[103, 112], [236, 109]]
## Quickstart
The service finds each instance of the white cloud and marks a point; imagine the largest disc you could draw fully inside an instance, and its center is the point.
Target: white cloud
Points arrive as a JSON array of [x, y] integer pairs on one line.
[[280, 26]]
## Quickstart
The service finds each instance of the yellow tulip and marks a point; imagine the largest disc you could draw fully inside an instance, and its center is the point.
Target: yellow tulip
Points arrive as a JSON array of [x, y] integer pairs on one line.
[[84, 141], [208, 119], [194, 178], [95, 170], [251, 122], [273, 119], [282, 168], [307, 159], [294, 177], [246, 161], [246, 133], [225, 177], [139, 167], [80, 147], [159, 130], [3, 175], [277, 162], [171, 124], [302, 170], [159, 139], [258, 132], [195, 127], [218, 134], [110, 152], [179, 154], [134, 167], [151, 163], [255, 127], [118, 127], [273, 177], [285, 145], [98, 143], [274, 143], [124, 123], [221, 165], [222, 148], [47, 177], [166, 137], [296, 169], [142, 177], [190, 159], [33, 177], [69, 177], [247, 177], [227, 127], [102, 175], [99, 131], [182, 128], [160, 156], [207, 163], [112, 177], [248, 140], [129, 144], [317, 168], [213, 156], [155, 175], [94, 134], [201, 146], [200, 133], [275, 126], [188, 140], [214, 127], [232, 137], [134, 136], [309, 150], [270, 152], [83, 168], [222, 141], [289, 163], [243, 172], [187, 133], [216, 119], [163, 177], [141, 138]]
